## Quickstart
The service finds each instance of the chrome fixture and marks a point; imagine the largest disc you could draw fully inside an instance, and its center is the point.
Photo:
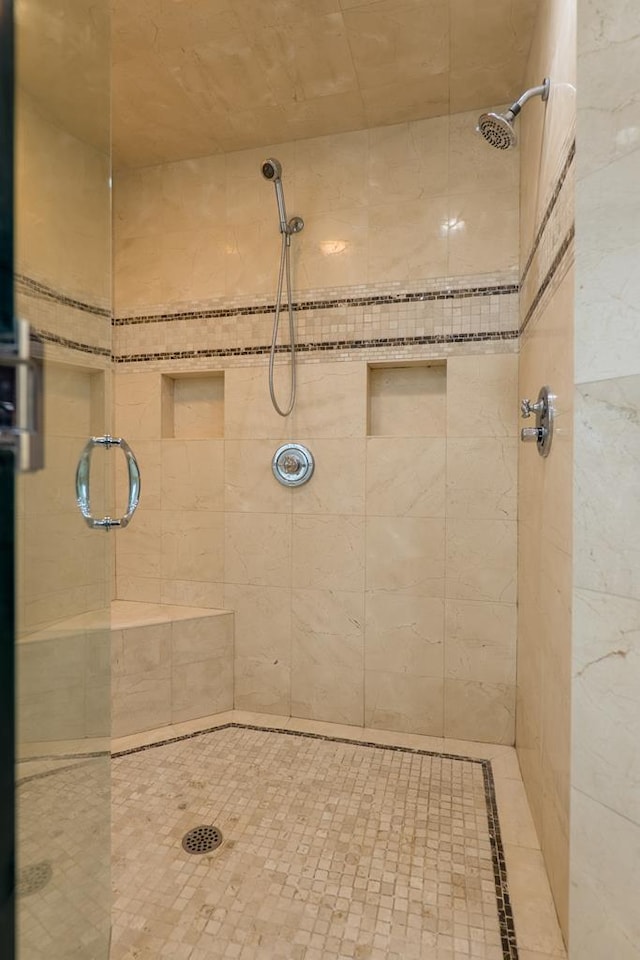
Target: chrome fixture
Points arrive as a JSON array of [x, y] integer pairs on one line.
[[272, 170], [292, 464], [497, 128], [21, 399], [544, 412], [83, 476]]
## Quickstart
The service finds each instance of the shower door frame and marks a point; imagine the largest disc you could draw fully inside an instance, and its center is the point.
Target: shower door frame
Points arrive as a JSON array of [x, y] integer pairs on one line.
[[7, 467]]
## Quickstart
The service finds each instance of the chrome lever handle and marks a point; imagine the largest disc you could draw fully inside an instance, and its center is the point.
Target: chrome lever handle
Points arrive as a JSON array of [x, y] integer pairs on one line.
[[83, 474]]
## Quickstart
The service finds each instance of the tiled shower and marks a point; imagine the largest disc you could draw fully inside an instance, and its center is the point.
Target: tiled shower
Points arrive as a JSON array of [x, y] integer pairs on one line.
[[411, 610]]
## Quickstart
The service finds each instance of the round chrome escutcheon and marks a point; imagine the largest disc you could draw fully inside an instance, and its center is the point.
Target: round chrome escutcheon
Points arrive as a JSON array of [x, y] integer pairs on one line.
[[292, 464]]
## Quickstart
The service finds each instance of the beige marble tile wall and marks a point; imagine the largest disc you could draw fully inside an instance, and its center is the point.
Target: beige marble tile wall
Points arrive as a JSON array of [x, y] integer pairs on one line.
[[384, 591], [63, 234], [545, 485], [393, 204], [605, 795]]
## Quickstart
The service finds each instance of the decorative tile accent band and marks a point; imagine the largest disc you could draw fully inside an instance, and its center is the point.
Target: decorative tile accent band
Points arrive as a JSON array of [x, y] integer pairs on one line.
[[551, 272], [71, 344], [330, 345], [327, 304], [503, 900], [550, 208], [28, 285]]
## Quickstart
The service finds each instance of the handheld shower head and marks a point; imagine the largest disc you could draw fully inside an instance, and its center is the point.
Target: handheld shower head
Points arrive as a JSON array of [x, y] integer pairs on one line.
[[497, 128], [271, 169]]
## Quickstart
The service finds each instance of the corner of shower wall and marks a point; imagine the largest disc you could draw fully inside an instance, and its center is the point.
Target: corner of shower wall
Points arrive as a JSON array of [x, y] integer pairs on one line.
[[545, 485]]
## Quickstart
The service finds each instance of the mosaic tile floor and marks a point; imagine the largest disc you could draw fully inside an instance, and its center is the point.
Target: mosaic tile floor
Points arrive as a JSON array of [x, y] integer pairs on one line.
[[332, 851], [64, 897]]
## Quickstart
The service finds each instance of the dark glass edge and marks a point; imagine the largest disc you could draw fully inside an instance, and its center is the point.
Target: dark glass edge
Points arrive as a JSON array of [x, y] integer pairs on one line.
[[7, 585]]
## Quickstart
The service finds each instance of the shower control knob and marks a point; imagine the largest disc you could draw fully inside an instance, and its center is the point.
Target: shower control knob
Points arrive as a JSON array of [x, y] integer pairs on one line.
[[530, 434], [291, 465], [527, 407]]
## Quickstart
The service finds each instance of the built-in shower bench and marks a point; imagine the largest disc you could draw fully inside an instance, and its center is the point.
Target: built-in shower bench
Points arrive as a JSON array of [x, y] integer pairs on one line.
[[168, 664]]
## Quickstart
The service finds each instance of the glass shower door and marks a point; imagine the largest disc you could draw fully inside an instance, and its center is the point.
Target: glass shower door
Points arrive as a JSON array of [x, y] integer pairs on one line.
[[63, 290]]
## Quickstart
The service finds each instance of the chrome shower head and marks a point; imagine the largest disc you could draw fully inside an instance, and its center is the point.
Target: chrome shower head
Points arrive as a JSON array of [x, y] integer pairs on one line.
[[497, 128], [271, 169]]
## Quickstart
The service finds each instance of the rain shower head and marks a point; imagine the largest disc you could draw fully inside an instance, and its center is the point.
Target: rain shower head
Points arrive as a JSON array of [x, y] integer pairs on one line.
[[497, 128]]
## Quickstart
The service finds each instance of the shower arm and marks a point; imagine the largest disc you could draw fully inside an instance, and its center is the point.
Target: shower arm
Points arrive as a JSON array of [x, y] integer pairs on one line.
[[541, 91]]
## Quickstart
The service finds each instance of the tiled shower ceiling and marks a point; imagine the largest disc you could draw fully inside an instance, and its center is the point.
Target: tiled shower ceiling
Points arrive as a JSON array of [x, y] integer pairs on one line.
[[195, 77]]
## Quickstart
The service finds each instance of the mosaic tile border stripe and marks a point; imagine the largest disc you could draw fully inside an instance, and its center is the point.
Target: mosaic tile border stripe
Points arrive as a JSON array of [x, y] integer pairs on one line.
[[503, 900], [329, 345], [550, 208], [28, 285], [44, 335], [551, 272], [423, 296]]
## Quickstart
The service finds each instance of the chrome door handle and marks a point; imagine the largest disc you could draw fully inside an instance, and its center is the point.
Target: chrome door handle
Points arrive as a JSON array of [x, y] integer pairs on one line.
[[83, 495]]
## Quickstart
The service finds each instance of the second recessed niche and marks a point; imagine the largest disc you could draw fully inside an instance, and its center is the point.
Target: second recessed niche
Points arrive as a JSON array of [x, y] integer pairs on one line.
[[407, 400], [193, 406]]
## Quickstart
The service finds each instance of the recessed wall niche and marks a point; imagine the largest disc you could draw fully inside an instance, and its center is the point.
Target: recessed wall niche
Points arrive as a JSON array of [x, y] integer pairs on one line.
[[407, 400], [193, 406]]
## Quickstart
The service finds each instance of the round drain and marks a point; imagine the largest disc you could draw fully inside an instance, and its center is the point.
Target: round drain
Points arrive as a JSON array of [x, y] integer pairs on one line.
[[202, 839], [33, 878]]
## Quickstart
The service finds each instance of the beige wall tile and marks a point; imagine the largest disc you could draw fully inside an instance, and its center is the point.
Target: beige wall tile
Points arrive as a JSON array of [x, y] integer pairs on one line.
[[337, 484], [192, 475], [393, 252], [408, 161], [330, 173], [262, 618], [404, 634], [482, 396], [406, 477], [479, 711], [192, 545], [145, 651], [473, 218], [138, 554], [258, 549], [480, 641], [262, 685], [137, 406], [250, 486], [331, 400], [406, 555], [482, 478], [481, 560], [202, 688], [248, 414], [327, 656], [202, 638], [328, 553], [140, 702], [398, 701], [192, 593]]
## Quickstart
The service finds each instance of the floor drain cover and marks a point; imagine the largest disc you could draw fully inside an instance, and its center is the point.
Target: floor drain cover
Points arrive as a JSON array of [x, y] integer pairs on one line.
[[33, 878], [202, 839]]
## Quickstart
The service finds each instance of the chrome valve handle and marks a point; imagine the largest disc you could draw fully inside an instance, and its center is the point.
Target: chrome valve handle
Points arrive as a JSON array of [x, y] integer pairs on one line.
[[83, 474], [544, 410]]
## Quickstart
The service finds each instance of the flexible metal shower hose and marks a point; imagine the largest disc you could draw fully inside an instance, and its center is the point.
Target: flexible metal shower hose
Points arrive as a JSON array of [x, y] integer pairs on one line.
[[285, 267]]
